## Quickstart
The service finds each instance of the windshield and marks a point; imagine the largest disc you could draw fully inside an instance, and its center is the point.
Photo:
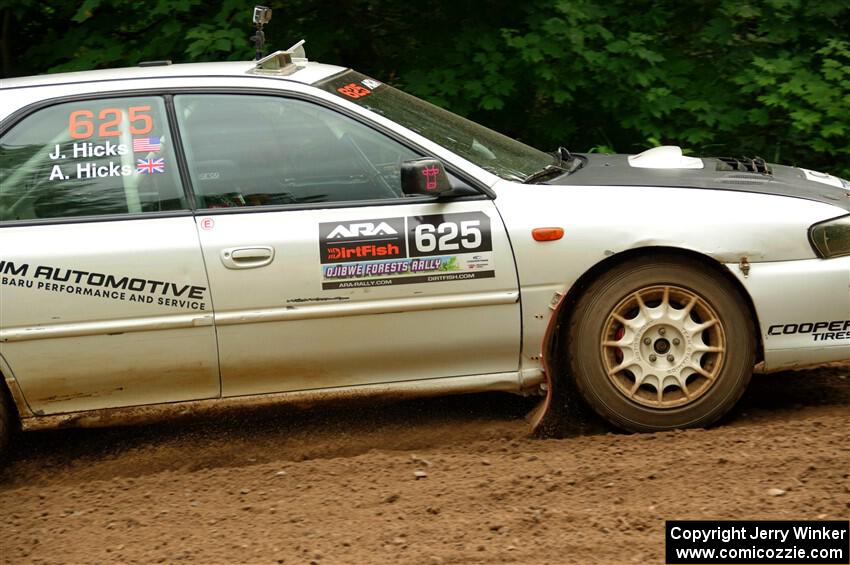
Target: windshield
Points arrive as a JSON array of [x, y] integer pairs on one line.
[[488, 149]]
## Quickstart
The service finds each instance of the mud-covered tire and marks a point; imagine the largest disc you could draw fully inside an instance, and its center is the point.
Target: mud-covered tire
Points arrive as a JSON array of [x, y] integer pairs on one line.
[[624, 343]]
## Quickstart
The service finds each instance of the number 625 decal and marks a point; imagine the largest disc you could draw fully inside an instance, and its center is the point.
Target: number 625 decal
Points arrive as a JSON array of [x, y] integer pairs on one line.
[[449, 234], [81, 123]]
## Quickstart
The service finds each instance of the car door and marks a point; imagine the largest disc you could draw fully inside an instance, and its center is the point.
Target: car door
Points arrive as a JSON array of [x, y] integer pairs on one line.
[[104, 300], [322, 273]]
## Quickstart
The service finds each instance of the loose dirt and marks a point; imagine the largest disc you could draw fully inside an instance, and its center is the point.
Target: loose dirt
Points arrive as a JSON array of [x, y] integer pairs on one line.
[[454, 480]]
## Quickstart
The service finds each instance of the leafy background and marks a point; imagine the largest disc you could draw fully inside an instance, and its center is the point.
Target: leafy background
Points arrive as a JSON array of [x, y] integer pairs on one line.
[[725, 77]]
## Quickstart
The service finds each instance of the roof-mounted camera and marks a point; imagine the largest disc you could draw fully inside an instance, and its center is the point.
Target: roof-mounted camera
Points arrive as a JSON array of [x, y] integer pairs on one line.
[[262, 16], [280, 63]]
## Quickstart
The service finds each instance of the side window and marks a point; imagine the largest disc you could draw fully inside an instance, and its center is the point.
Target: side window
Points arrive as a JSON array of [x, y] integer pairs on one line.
[[90, 158], [264, 150]]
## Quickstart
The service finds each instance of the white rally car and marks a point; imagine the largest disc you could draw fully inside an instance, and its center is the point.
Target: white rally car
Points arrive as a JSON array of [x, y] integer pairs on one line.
[[179, 238]]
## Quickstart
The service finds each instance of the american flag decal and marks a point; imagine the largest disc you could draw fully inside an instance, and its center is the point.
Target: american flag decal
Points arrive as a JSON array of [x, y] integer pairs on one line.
[[150, 166], [145, 144]]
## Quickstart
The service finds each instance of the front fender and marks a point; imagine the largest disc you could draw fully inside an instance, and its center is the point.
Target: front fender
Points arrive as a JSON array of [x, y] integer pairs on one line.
[[603, 221]]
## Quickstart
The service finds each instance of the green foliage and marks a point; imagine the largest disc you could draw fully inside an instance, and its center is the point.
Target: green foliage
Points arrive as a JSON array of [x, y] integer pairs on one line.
[[720, 77], [765, 78]]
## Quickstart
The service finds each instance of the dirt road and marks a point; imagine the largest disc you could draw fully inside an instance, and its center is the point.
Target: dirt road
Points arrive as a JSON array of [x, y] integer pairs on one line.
[[454, 480]]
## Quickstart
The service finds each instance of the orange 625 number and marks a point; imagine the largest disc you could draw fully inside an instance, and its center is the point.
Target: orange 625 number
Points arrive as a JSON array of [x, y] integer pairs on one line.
[[81, 124]]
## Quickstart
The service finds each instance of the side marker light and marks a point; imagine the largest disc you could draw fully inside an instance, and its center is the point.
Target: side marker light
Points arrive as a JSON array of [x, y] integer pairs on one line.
[[547, 234]]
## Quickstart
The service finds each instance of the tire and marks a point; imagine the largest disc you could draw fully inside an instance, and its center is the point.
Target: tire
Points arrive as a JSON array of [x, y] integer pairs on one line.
[[661, 343]]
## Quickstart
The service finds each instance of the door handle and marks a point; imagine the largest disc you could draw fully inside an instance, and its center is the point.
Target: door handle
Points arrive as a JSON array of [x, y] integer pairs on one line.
[[247, 257]]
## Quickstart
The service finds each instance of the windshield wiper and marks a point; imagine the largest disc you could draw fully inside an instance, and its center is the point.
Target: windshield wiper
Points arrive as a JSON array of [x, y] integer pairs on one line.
[[567, 160], [565, 163], [544, 173]]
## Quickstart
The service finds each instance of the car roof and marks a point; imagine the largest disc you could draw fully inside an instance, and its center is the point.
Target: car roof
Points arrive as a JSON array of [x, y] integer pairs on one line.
[[307, 73]]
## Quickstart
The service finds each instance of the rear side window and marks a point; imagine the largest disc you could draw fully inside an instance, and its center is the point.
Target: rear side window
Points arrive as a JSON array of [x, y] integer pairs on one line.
[[90, 158]]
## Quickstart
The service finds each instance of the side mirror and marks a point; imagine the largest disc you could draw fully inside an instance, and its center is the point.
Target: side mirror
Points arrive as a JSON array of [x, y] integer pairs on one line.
[[424, 176]]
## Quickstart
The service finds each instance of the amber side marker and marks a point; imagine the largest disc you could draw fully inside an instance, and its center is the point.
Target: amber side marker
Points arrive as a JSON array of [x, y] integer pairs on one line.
[[547, 234]]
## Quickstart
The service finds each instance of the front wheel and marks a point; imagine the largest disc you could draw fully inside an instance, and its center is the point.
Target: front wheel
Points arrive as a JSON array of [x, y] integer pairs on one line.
[[661, 344]]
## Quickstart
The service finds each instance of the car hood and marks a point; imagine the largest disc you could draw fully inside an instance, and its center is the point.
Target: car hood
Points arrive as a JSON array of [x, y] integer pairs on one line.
[[674, 170]]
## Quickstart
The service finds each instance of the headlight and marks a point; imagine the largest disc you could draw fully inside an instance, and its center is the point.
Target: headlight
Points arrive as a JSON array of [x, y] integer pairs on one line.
[[832, 237]]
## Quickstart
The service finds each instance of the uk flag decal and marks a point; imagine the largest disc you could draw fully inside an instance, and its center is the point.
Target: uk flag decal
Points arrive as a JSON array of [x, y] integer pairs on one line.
[[150, 166]]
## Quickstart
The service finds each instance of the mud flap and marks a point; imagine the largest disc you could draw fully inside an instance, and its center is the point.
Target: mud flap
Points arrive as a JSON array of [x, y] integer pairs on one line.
[[543, 417], [537, 414]]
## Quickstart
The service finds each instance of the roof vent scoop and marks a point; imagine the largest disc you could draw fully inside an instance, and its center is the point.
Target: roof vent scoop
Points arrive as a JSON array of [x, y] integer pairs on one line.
[[281, 63], [664, 157], [744, 164]]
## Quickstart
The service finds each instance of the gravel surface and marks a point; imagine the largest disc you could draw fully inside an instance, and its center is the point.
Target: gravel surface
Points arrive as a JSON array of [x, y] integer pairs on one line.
[[453, 480]]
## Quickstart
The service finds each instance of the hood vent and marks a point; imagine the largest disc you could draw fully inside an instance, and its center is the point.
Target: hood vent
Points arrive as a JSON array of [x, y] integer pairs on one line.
[[744, 178], [744, 165]]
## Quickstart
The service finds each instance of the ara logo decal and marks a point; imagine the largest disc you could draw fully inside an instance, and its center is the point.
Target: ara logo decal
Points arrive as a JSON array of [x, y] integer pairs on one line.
[[383, 238], [349, 231]]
